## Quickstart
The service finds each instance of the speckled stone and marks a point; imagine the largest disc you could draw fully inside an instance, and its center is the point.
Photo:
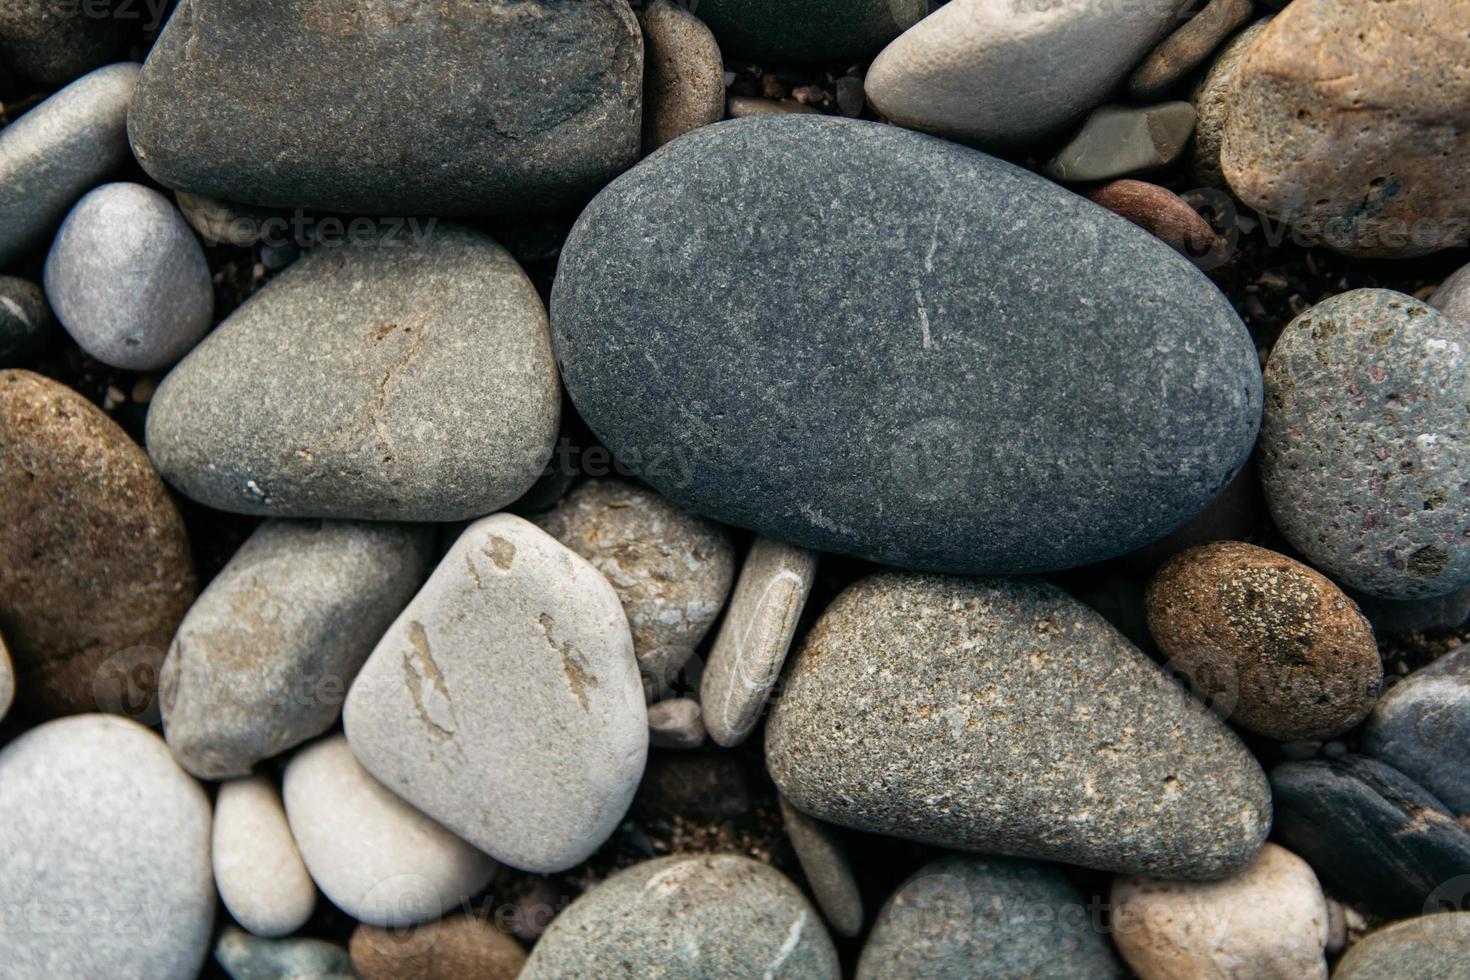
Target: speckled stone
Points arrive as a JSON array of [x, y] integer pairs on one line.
[[1186, 49], [672, 570], [264, 658], [128, 280], [1270, 643], [51, 42], [824, 31], [529, 106], [95, 570], [247, 957], [675, 724], [1004, 716], [354, 385], [683, 73], [1421, 727], [1270, 920], [1360, 143], [1452, 298], [1117, 140], [687, 917], [460, 947], [377, 858], [504, 702], [53, 153], [1426, 946], [1372, 834], [828, 873], [886, 421], [1365, 441], [257, 869], [986, 918], [105, 845], [26, 322], [1212, 98]]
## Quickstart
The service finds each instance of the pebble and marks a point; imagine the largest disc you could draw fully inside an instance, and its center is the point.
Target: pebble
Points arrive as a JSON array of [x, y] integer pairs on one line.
[[1161, 213], [353, 385], [688, 916], [825, 865], [1187, 48], [56, 151], [375, 856], [1350, 122], [1270, 643], [525, 109], [128, 280], [1421, 727], [460, 947], [1435, 946], [675, 724], [223, 222], [264, 658], [672, 571], [683, 74], [1415, 615], [683, 385], [740, 106], [1212, 98], [754, 638], [1364, 441], [26, 323], [1117, 140], [7, 679], [817, 31], [1452, 298], [53, 43], [1372, 834], [504, 702], [96, 883], [247, 957], [1004, 716], [1005, 75], [986, 918], [1270, 920], [257, 869], [95, 568]]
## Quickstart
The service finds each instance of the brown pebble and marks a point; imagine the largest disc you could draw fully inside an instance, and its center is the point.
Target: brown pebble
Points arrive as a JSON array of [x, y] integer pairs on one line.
[[95, 568], [683, 75], [1186, 49], [740, 106], [461, 947], [1160, 212], [1273, 644]]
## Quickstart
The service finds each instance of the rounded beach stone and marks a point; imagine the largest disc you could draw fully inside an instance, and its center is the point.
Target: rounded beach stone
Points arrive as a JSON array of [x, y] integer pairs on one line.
[[52, 154], [683, 73], [828, 874], [754, 638], [1270, 920], [675, 724], [105, 845], [265, 656], [986, 918], [257, 868], [95, 570], [247, 957], [1273, 645], [377, 858], [1184, 50], [671, 569], [1212, 99], [460, 947], [815, 31], [128, 280], [685, 917], [1426, 946], [1117, 140], [26, 322], [1365, 439], [1421, 727], [52, 43]]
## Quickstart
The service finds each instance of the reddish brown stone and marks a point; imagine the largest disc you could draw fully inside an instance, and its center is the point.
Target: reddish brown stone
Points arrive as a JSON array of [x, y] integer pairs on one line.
[[1160, 212]]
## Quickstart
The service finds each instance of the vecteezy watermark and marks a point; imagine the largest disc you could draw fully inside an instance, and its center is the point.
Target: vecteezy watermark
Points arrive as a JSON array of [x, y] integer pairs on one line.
[[126, 684], [309, 230], [150, 12]]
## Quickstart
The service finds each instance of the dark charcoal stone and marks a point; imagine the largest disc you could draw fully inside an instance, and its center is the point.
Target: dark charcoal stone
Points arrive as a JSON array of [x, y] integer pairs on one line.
[[814, 30], [51, 42], [1422, 727], [25, 319]]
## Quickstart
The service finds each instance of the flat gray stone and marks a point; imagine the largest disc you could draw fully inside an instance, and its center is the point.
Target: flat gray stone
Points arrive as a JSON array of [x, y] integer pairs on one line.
[[247, 957], [815, 31], [675, 724], [1365, 442], [128, 280], [1421, 727], [754, 638], [683, 73], [264, 658], [504, 702], [688, 917], [528, 106], [828, 873], [52, 154], [987, 918], [105, 845], [356, 384], [1004, 716], [53, 41], [258, 870], [969, 433], [1426, 946], [26, 322], [1119, 140]]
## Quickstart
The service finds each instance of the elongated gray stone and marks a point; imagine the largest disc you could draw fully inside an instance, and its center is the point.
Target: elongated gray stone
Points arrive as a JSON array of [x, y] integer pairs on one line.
[[828, 873], [1004, 716], [953, 383]]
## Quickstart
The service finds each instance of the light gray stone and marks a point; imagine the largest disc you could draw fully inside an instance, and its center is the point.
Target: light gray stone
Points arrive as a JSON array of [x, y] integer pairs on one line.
[[1119, 140], [688, 917], [52, 154], [1421, 727], [754, 637], [824, 862], [377, 858], [127, 278], [264, 657], [675, 724], [224, 222], [683, 73], [504, 702], [257, 869], [247, 957], [104, 842]]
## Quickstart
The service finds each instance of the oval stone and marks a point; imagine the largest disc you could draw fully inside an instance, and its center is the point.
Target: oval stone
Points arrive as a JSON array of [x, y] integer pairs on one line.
[[865, 340]]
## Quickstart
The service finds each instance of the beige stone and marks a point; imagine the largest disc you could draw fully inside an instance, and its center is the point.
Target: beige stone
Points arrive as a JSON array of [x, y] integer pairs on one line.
[[683, 74]]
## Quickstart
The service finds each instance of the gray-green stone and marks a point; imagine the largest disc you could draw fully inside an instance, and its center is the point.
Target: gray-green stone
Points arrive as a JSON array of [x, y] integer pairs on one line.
[[813, 30], [247, 957], [1119, 140], [1429, 946]]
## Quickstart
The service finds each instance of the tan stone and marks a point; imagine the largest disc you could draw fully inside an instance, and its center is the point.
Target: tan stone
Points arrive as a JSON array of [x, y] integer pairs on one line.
[[1184, 50], [683, 74], [461, 947]]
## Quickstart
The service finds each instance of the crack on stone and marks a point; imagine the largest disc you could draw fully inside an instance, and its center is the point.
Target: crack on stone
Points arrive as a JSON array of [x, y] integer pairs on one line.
[[380, 406], [578, 677], [431, 699]]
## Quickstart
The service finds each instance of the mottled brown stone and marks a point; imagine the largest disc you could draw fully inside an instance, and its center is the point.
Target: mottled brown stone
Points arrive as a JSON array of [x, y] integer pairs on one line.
[[461, 947]]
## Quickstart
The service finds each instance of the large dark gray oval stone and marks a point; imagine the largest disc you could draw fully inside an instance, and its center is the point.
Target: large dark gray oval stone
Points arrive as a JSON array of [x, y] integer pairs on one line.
[[861, 339]]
